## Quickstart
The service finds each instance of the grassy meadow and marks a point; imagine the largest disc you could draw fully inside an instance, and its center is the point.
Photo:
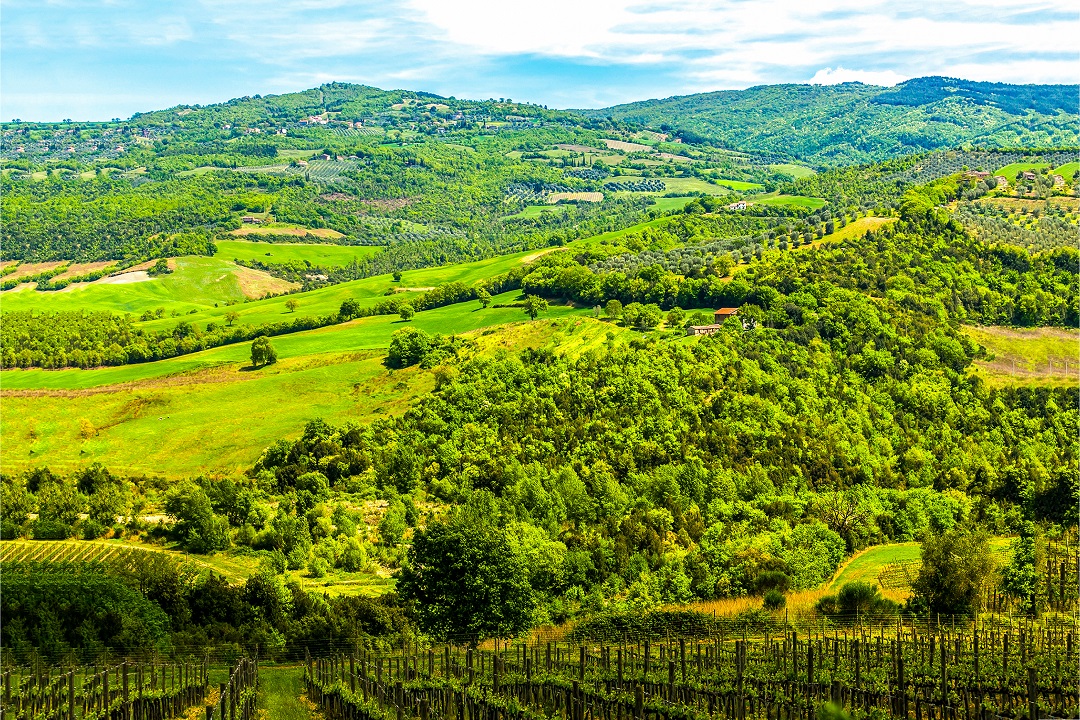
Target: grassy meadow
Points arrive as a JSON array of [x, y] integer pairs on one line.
[[807, 202], [210, 412], [1027, 356], [282, 253], [796, 171]]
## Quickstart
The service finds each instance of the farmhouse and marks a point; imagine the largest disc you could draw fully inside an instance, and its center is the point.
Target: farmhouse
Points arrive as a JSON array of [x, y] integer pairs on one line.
[[976, 174], [724, 313], [250, 220], [1029, 176], [1058, 181], [702, 329], [741, 205]]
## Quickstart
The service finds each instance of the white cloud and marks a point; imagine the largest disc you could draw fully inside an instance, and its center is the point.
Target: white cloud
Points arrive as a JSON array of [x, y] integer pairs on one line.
[[829, 76]]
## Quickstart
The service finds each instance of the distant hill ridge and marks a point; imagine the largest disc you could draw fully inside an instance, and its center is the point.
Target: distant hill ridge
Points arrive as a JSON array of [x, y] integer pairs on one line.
[[854, 122]]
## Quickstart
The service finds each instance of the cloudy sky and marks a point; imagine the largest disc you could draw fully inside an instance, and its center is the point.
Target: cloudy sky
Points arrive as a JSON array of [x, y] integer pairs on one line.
[[98, 59]]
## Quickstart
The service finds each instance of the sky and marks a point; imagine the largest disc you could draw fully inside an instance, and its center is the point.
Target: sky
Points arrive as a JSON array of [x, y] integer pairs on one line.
[[100, 59]]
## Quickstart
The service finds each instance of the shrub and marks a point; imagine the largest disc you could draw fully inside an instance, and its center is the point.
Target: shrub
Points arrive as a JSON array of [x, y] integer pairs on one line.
[[92, 529], [857, 600], [51, 530], [774, 600]]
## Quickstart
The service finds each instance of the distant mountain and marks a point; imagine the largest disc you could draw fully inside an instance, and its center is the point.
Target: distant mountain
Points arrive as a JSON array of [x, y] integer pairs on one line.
[[853, 122]]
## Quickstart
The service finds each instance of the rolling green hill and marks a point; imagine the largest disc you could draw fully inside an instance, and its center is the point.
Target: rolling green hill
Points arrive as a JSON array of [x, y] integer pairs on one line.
[[855, 123]]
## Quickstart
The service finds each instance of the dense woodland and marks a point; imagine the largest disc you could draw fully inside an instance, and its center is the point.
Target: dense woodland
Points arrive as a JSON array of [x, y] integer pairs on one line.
[[855, 123]]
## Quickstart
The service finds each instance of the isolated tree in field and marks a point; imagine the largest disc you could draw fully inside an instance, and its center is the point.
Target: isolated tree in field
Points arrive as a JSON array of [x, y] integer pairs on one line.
[[467, 578], [406, 312], [483, 296], [262, 352], [291, 304], [534, 305], [397, 276], [161, 267], [349, 309], [613, 309], [954, 566], [231, 317]]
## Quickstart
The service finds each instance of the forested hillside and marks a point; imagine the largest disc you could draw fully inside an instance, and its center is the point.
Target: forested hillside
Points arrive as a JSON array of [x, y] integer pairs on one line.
[[853, 123]]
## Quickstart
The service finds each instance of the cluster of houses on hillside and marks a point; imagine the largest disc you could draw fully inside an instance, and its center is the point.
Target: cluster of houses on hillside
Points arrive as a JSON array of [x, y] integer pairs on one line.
[[1002, 182], [718, 320]]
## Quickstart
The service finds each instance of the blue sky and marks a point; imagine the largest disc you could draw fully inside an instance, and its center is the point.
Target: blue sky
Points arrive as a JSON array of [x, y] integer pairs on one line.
[[98, 59]]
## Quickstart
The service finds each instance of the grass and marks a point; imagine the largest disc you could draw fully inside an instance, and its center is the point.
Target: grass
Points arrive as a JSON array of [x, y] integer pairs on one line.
[[280, 253], [1009, 171], [197, 283], [535, 211], [1027, 356], [741, 185], [807, 202], [866, 565], [610, 238], [281, 693], [219, 415], [209, 285], [796, 171], [664, 204], [1066, 171]]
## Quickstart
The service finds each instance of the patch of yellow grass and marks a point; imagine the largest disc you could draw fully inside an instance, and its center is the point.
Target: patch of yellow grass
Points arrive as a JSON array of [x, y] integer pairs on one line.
[[256, 283], [582, 196]]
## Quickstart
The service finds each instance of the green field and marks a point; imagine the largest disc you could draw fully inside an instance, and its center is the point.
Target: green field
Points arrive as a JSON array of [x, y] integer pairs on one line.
[[535, 211], [198, 282], [741, 185], [314, 253], [664, 204], [1027, 356], [206, 285], [865, 566], [1009, 171], [796, 171], [209, 412], [1067, 170], [807, 202]]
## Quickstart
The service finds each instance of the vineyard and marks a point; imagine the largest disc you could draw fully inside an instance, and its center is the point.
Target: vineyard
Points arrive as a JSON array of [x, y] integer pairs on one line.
[[59, 551], [892, 670], [128, 691]]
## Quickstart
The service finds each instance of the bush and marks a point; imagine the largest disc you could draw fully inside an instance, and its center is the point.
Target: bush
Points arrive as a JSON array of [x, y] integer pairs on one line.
[[51, 530], [92, 529], [774, 600], [856, 600], [318, 567], [9, 530]]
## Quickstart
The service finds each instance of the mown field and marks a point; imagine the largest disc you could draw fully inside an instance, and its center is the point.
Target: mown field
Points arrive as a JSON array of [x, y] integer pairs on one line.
[[198, 283], [807, 202], [210, 412], [203, 290], [1027, 356], [281, 253]]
